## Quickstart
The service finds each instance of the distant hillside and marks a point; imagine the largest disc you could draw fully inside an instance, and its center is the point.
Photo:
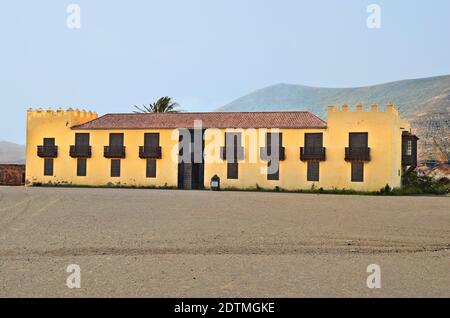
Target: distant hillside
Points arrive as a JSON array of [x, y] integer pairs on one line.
[[11, 153], [425, 101]]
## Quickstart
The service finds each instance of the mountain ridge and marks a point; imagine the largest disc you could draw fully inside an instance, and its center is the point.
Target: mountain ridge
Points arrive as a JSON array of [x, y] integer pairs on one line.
[[11, 153], [423, 101]]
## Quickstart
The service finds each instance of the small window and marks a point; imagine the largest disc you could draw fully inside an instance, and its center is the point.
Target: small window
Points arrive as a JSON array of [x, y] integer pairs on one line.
[[151, 140], [49, 142], [409, 148], [82, 139], [274, 142], [357, 171], [313, 171], [115, 168], [358, 140], [81, 167], [151, 168], [116, 139], [313, 140], [276, 174], [232, 170], [48, 167]]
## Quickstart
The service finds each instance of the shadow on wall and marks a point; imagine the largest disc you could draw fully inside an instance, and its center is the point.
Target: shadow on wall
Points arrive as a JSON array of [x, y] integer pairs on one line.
[[11, 174]]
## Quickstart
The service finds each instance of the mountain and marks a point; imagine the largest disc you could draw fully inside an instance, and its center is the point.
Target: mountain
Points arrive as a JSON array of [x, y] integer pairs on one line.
[[425, 102], [12, 153]]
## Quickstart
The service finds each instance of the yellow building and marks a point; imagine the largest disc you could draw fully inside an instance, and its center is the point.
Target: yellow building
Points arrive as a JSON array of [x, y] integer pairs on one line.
[[360, 150]]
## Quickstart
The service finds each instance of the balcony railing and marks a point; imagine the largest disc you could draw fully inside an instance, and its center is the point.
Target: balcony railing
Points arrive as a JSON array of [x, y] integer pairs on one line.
[[266, 153], [80, 151], [150, 152], [236, 156], [312, 153], [357, 154], [47, 151], [114, 152]]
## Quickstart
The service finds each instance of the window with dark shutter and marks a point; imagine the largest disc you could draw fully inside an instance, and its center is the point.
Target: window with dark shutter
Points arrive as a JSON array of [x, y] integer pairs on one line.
[[313, 140], [313, 171], [357, 171], [232, 170], [48, 167], [151, 168], [276, 174], [116, 140], [273, 166], [232, 144], [115, 168], [50, 142], [151, 140], [81, 167], [81, 139], [358, 140]]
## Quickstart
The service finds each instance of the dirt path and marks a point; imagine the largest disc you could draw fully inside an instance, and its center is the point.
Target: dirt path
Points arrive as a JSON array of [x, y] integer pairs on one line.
[[198, 243]]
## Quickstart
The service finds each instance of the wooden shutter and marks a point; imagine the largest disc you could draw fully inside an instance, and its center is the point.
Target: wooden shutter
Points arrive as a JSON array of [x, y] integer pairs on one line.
[[314, 140], [82, 139], [116, 140], [358, 140], [151, 168], [276, 174], [49, 141], [81, 167], [233, 141], [151, 140], [115, 168], [270, 137], [232, 170], [48, 167], [270, 150], [357, 171], [313, 171]]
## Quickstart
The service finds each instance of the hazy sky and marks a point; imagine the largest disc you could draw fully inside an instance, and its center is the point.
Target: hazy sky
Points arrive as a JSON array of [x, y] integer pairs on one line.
[[205, 53]]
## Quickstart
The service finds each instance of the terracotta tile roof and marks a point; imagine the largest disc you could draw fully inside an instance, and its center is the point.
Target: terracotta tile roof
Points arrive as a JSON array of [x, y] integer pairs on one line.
[[284, 119]]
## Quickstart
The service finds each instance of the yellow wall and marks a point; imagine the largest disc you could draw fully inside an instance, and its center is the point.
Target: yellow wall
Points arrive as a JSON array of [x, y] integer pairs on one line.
[[133, 169], [252, 174], [384, 140], [384, 130]]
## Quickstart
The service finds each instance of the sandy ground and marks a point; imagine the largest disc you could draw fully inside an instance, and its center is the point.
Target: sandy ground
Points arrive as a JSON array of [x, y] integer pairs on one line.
[[161, 243]]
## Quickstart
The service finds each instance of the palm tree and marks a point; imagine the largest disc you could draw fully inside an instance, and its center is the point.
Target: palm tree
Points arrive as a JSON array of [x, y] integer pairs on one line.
[[162, 105]]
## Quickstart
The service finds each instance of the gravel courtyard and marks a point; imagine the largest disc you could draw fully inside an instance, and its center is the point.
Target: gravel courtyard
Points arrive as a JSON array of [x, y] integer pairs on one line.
[[161, 243]]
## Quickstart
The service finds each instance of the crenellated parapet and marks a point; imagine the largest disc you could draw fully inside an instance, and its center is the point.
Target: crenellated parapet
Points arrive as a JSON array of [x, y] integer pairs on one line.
[[40, 112], [359, 108], [67, 118]]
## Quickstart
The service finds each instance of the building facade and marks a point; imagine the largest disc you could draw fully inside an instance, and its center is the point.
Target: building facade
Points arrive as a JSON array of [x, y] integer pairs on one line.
[[358, 149]]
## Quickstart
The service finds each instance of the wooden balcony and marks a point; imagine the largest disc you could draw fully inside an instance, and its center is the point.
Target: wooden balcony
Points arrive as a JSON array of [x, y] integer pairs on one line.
[[312, 153], [47, 151], [409, 149], [407, 160], [114, 152], [80, 151], [236, 156], [150, 152], [266, 153], [357, 154]]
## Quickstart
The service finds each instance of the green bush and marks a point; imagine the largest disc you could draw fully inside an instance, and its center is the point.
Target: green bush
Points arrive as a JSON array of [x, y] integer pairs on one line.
[[413, 183]]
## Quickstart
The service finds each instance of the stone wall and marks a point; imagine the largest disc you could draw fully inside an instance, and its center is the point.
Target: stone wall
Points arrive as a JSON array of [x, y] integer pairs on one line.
[[12, 174]]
